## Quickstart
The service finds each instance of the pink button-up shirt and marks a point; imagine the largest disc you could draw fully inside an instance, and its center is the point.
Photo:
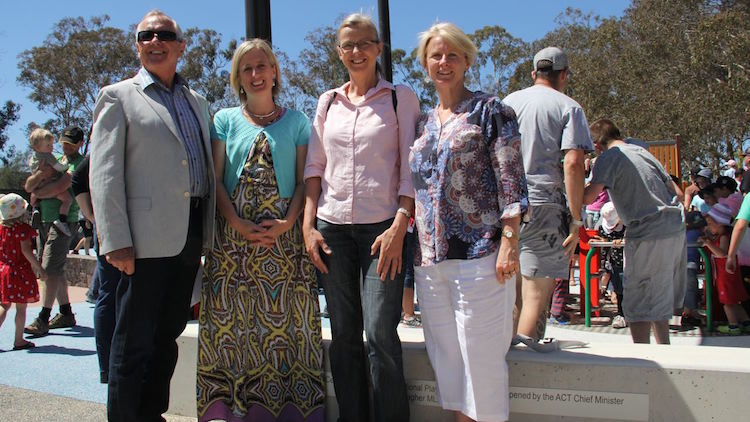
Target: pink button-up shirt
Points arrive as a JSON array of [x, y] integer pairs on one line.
[[361, 153]]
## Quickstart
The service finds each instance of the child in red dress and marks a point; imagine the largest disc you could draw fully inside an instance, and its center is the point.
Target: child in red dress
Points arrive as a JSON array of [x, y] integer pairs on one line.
[[18, 264], [729, 286]]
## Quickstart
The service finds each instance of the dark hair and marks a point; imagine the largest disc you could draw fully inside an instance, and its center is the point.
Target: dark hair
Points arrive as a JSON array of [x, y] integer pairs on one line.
[[708, 190], [694, 220], [725, 182], [603, 131], [547, 73]]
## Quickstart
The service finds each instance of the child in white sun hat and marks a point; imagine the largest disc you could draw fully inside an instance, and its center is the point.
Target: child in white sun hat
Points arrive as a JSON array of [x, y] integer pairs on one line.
[[18, 265], [612, 229]]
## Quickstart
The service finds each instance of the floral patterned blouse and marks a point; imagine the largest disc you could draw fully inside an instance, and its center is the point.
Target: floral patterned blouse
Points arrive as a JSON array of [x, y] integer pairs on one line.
[[468, 175]]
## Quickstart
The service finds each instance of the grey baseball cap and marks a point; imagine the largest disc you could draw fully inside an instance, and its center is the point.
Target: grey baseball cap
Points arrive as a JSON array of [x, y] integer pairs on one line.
[[705, 172], [550, 56]]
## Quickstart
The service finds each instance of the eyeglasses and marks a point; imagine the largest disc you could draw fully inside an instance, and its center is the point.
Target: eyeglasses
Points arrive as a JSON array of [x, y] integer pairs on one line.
[[361, 45], [163, 35]]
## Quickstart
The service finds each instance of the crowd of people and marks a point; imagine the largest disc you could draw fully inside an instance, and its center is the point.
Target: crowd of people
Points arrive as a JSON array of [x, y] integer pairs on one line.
[[479, 202]]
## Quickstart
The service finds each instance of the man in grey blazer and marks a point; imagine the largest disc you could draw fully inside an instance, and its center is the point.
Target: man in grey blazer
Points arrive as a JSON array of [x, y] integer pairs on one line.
[[153, 193]]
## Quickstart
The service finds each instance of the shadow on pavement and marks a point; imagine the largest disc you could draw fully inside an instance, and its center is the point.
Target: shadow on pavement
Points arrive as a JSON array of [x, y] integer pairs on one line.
[[76, 331], [59, 350]]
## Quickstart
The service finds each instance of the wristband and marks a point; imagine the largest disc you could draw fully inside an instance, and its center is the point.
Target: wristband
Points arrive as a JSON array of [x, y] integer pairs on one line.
[[577, 223]]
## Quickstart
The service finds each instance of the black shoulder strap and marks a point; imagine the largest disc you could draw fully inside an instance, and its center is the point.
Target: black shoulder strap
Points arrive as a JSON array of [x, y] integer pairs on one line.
[[333, 97], [393, 98]]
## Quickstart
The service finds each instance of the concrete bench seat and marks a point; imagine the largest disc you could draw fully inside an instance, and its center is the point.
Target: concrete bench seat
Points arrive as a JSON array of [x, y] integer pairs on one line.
[[603, 381]]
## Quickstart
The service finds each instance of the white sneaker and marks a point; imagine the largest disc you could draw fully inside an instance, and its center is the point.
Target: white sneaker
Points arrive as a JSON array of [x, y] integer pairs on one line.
[[61, 167], [619, 322], [62, 227]]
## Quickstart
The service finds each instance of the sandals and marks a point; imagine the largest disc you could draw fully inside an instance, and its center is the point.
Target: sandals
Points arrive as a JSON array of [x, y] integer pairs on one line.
[[25, 346], [411, 322]]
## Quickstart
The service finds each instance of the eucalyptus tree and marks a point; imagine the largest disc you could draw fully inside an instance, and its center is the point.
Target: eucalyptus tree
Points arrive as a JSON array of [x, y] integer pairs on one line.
[[78, 57]]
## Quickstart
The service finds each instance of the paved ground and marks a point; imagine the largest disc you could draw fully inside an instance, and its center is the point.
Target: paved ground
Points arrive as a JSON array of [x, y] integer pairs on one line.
[[58, 380], [26, 405]]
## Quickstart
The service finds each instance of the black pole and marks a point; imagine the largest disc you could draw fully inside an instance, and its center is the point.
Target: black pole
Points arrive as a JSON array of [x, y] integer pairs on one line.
[[258, 19], [385, 35]]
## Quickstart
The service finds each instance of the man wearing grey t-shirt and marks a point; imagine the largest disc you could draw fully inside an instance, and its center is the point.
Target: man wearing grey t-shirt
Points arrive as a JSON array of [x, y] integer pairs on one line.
[[554, 139], [655, 250]]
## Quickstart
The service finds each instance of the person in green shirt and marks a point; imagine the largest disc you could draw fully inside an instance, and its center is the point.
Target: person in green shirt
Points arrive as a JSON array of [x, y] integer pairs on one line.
[[53, 244]]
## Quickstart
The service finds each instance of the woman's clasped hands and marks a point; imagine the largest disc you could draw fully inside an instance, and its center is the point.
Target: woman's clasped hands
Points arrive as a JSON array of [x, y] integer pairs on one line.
[[264, 233]]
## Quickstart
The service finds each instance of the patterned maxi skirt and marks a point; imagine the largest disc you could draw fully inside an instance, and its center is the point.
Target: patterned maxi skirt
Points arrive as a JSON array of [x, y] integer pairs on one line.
[[260, 352]]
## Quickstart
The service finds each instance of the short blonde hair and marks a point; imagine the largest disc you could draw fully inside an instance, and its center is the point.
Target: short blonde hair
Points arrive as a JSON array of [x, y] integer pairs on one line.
[[244, 48], [451, 34], [38, 135]]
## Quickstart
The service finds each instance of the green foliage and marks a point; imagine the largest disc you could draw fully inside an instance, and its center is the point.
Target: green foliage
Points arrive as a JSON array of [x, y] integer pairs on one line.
[[316, 70], [75, 61], [14, 170], [408, 69], [665, 68], [206, 64], [499, 55], [8, 116], [662, 68]]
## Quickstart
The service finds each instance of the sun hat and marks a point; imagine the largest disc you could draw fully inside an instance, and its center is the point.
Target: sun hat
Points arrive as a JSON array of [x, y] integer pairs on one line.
[[609, 217], [721, 214], [733, 202], [12, 206]]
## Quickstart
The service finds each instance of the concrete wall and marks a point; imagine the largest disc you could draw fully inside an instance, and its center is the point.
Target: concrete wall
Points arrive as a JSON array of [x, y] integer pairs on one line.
[[78, 270], [603, 382]]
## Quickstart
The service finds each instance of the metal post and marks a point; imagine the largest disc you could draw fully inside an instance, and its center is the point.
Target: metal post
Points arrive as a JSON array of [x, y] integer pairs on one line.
[[708, 286], [385, 36], [258, 19]]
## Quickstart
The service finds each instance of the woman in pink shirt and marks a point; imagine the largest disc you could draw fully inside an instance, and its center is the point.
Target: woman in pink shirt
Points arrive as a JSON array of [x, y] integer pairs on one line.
[[358, 200]]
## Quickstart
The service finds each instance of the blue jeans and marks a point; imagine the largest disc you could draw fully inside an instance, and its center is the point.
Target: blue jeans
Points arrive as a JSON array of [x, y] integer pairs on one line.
[[617, 278], [410, 244], [103, 288], [375, 307], [105, 312]]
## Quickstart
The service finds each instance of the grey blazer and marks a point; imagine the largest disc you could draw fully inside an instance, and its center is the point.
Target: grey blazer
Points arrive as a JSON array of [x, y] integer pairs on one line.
[[139, 177]]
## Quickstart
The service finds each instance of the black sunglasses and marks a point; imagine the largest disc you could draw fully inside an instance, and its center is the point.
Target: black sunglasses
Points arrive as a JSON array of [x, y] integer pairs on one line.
[[162, 35]]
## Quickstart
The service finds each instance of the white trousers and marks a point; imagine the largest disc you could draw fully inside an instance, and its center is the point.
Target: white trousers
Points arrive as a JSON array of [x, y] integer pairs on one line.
[[468, 326]]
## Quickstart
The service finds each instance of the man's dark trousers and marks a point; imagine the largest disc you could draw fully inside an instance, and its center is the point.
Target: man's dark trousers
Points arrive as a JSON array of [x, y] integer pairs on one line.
[[152, 311]]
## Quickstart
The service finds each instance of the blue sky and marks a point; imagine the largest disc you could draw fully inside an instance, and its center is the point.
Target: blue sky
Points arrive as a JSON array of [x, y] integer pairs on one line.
[[26, 23]]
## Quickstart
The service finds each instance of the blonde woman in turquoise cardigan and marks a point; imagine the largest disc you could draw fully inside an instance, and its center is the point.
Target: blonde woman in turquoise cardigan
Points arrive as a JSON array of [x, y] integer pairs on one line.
[[260, 349]]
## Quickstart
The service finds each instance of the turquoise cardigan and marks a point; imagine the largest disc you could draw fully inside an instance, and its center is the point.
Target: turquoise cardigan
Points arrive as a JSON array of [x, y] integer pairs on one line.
[[284, 136]]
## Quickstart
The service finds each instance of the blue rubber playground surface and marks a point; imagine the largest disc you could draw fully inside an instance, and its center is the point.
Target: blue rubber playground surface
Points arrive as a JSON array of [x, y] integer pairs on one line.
[[63, 363]]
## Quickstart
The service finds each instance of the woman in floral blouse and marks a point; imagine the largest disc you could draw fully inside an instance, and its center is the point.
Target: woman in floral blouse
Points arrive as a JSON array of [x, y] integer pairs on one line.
[[470, 196]]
